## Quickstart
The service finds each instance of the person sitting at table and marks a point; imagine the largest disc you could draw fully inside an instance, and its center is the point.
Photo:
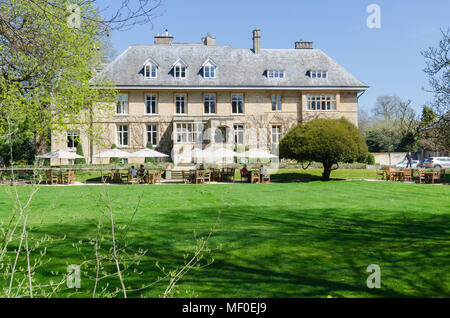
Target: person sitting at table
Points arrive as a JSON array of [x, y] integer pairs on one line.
[[245, 173], [263, 171], [141, 171], [133, 172]]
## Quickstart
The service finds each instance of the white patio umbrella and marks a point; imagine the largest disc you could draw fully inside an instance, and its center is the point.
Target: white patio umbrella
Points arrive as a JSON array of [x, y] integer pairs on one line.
[[258, 153], [226, 153], [220, 154], [113, 153], [60, 154], [147, 153]]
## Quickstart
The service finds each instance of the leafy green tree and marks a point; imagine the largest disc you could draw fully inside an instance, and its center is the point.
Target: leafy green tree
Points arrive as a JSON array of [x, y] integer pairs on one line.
[[47, 68], [80, 161], [428, 116], [328, 141]]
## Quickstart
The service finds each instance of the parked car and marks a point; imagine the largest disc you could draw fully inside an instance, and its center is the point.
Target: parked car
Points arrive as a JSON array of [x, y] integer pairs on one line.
[[402, 164], [436, 162]]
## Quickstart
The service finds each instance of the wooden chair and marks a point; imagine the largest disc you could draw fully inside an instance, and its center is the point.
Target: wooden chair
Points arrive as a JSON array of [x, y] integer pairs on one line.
[[265, 179], [200, 176], [158, 176], [435, 176], [255, 177], [407, 175], [442, 174], [51, 178], [188, 176], [246, 176], [65, 178], [420, 176], [214, 174], [381, 173], [149, 177], [391, 174], [208, 177], [132, 179]]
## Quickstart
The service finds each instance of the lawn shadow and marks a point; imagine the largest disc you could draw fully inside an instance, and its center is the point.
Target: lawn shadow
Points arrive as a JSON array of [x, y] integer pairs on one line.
[[285, 252], [298, 177]]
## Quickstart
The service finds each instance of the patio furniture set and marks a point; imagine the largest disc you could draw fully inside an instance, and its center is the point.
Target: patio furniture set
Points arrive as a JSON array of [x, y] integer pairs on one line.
[[59, 177], [116, 176], [418, 175], [222, 175]]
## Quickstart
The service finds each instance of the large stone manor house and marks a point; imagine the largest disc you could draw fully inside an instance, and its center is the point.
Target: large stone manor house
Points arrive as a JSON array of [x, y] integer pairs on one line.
[[183, 95]]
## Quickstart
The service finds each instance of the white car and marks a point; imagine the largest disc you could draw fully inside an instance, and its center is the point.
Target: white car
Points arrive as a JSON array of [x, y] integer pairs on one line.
[[437, 162], [402, 164]]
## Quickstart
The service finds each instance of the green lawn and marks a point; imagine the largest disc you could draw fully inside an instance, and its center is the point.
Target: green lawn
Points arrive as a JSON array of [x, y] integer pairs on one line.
[[310, 239]]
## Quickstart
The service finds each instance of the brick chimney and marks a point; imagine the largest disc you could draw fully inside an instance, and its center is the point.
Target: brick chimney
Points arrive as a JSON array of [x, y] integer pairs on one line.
[[209, 40], [256, 41], [299, 45], [164, 39]]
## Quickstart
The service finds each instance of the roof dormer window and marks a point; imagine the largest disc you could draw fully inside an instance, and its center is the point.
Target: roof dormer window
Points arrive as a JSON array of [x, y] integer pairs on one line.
[[318, 74], [209, 69], [179, 69], [275, 73], [150, 69]]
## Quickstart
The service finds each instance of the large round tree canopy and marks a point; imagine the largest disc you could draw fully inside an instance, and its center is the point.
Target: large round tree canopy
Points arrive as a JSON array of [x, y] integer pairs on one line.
[[328, 141]]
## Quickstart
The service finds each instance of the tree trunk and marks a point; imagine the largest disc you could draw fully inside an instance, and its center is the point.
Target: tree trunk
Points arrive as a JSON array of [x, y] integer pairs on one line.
[[326, 170]]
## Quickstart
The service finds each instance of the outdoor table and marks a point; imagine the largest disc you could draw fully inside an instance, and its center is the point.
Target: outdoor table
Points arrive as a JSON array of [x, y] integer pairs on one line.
[[399, 175]]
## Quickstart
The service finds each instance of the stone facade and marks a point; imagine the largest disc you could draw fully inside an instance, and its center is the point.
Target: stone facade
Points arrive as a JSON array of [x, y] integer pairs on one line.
[[238, 71]]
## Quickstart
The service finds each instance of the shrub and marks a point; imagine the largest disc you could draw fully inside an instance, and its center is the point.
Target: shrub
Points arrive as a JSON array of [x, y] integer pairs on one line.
[[328, 141], [370, 159], [80, 161]]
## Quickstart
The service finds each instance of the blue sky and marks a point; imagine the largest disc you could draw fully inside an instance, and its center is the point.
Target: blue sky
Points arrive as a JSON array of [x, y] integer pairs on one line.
[[388, 59]]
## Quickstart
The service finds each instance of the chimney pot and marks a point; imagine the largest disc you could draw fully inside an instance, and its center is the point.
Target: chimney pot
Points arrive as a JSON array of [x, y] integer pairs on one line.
[[164, 39], [299, 45], [209, 40], [256, 41]]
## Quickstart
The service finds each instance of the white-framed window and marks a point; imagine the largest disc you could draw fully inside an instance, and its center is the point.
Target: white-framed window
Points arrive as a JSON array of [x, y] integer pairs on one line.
[[190, 132], [318, 74], [72, 140], [275, 73], [237, 103], [152, 134], [276, 136], [209, 71], [151, 104], [180, 104], [150, 70], [320, 102], [122, 135], [239, 134], [122, 104], [197, 132], [276, 103], [209, 102], [180, 71]]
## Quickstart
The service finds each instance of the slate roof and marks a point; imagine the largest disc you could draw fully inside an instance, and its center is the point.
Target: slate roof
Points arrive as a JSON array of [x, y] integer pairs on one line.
[[235, 68]]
